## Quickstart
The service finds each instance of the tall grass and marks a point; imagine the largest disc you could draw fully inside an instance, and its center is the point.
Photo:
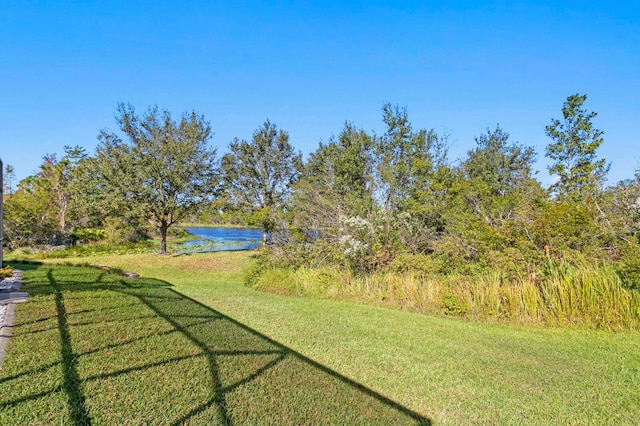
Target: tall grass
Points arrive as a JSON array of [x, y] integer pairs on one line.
[[590, 295]]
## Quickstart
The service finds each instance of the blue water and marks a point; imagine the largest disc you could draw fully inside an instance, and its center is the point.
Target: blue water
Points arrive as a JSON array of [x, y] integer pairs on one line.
[[222, 239]]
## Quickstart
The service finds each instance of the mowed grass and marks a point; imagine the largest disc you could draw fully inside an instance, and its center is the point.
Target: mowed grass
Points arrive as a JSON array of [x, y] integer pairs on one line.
[[95, 348], [195, 345]]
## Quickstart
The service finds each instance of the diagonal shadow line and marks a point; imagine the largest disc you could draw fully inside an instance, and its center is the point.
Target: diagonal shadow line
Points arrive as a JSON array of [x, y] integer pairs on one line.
[[196, 316], [112, 321], [87, 311], [246, 352], [36, 321], [255, 375], [26, 373], [362, 388], [195, 411], [217, 397], [126, 342], [72, 384], [143, 367], [35, 396], [220, 395], [42, 330]]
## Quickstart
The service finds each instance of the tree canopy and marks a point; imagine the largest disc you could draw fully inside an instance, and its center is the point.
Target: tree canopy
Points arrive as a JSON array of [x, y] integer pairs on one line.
[[258, 175], [361, 200], [573, 151], [163, 169]]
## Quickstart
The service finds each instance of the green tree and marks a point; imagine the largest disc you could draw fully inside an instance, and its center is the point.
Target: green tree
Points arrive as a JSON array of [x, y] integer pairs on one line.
[[60, 180], [367, 199], [490, 205], [32, 214], [8, 179], [163, 171], [398, 149], [501, 166], [411, 183], [573, 151], [258, 175], [335, 189], [342, 170]]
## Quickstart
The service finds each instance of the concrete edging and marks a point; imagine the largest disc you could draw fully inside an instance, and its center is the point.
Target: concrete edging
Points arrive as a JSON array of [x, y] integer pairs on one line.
[[8, 300]]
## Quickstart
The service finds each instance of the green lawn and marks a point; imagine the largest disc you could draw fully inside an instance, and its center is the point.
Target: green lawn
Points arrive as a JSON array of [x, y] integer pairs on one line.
[[193, 345]]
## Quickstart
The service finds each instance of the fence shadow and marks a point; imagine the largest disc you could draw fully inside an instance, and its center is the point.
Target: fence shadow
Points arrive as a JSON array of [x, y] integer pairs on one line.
[[138, 351]]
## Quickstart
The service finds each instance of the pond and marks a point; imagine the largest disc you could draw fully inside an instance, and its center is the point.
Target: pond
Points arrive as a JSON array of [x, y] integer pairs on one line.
[[222, 239]]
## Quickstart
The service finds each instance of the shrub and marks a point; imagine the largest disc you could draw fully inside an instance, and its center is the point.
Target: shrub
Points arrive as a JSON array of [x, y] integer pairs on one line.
[[6, 272], [628, 267], [421, 263], [88, 235]]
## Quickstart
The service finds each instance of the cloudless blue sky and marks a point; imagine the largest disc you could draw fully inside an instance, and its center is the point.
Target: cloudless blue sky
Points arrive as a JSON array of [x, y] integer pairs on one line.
[[459, 67]]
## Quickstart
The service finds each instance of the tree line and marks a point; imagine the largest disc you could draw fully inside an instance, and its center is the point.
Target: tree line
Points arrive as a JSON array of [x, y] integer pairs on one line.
[[362, 201]]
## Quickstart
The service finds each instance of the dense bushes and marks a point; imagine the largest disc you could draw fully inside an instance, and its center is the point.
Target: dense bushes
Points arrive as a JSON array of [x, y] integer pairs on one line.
[[390, 220]]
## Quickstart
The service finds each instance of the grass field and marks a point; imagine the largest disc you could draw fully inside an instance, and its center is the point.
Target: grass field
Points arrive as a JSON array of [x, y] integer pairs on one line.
[[193, 345]]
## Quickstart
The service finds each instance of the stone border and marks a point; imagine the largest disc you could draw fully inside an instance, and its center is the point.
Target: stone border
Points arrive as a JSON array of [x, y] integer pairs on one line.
[[14, 282], [9, 297]]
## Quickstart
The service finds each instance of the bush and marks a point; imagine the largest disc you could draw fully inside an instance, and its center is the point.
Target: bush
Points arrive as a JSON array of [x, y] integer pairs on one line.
[[88, 235], [628, 267], [420, 263], [6, 272], [124, 230]]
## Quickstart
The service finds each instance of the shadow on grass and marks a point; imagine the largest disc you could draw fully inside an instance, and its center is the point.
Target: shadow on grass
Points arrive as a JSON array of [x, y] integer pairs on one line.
[[72, 383], [137, 351]]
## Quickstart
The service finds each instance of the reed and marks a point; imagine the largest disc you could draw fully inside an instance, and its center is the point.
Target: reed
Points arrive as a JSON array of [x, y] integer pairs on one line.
[[590, 295]]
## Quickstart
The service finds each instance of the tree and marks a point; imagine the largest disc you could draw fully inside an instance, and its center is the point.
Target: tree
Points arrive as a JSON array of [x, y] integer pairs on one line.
[[60, 180], [503, 167], [258, 175], [334, 191], [494, 197], [9, 177], [365, 199], [411, 180], [342, 170], [31, 213], [163, 171], [397, 148], [573, 151]]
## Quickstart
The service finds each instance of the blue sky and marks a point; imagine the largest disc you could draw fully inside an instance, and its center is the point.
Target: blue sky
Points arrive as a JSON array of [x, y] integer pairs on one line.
[[459, 68]]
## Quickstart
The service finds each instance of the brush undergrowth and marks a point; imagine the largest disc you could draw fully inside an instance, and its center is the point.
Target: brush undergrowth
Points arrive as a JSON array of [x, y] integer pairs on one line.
[[560, 294], [87, 250]]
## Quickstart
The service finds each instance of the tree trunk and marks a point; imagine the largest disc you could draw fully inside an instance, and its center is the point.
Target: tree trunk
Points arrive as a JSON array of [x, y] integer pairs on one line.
[[163, 237]]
